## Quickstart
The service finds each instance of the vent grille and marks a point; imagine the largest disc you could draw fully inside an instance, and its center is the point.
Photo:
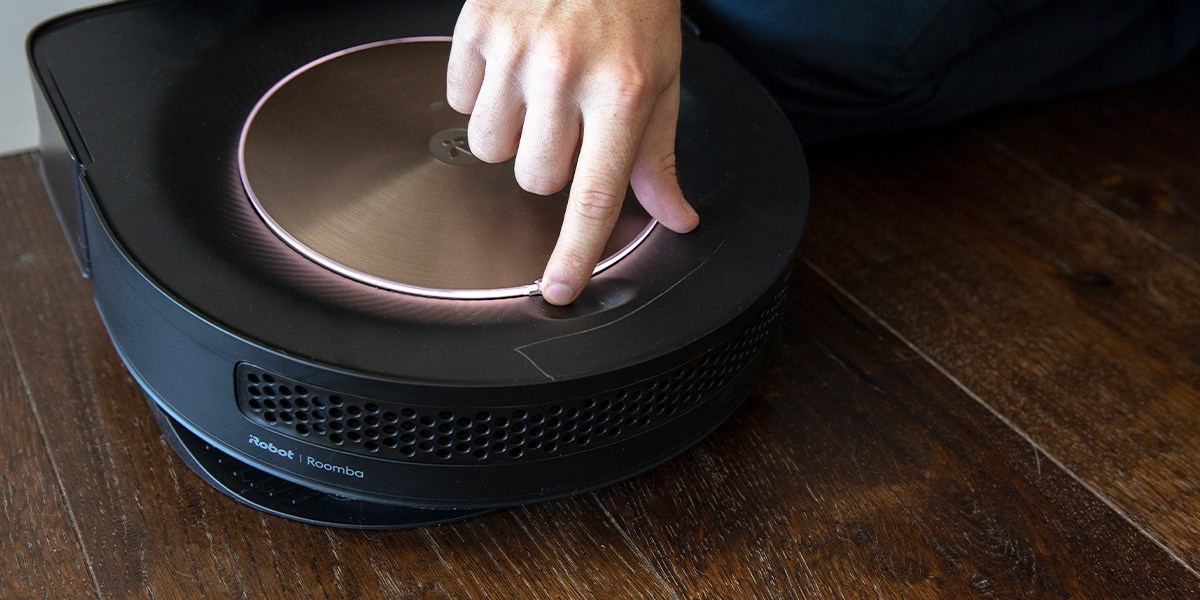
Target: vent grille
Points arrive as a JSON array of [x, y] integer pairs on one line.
[[414, 433]]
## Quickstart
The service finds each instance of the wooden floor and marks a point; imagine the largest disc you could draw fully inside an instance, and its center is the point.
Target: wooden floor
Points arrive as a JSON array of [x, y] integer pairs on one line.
[[988, 385]]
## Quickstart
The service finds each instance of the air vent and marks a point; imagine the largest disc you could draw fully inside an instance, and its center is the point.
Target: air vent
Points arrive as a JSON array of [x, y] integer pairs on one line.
[[425, 434]]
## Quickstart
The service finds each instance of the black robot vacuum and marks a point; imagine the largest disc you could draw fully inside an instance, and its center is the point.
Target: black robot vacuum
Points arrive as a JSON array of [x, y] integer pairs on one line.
[[330, 304]]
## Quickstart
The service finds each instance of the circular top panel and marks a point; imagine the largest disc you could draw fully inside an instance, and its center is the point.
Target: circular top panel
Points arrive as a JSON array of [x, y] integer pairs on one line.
[[356, 161], [173, 219]]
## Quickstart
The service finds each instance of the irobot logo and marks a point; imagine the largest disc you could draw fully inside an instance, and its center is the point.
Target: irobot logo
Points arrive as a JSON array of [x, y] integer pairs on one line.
[[272, 448], [307, 460]]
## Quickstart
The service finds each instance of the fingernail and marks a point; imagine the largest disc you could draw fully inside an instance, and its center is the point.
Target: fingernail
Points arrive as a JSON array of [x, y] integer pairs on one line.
[[558, 293]]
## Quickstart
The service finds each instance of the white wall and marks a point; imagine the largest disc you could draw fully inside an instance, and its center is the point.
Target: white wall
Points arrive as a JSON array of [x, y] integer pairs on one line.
[[18, 122]]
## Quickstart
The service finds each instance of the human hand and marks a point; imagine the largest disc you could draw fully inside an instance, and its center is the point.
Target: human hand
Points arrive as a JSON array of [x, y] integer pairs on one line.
[[544, 80]]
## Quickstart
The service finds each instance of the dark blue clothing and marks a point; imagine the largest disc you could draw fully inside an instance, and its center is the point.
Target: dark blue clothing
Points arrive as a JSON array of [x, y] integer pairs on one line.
[[849, 67]]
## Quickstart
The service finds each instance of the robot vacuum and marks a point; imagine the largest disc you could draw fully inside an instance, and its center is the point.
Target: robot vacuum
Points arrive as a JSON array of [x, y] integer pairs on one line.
[[330, 304]]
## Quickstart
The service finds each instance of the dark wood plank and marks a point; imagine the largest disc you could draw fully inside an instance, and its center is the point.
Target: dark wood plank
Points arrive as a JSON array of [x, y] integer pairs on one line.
[[1070, 321], [40, 551], [859, 470], [152, 528], [1132, 150], [862, 467]]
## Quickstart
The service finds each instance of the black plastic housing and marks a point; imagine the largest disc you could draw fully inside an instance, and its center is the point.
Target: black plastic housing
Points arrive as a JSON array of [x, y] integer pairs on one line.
[[139, 110]]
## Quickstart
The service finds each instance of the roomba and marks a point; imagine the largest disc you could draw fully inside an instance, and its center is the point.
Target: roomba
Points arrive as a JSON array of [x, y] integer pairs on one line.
[[330, 304]]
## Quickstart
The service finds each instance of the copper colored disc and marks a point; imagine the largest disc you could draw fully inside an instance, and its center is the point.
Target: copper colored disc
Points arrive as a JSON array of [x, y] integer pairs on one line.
[[356, 161]]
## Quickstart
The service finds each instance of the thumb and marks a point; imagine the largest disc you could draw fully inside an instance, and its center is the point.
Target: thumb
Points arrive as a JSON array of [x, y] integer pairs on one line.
[[653, 179]]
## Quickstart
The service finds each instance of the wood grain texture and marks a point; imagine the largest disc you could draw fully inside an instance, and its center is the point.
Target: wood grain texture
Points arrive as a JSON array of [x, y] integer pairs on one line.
[[860, 470], [40, 552], [1068, 318], [985, 386], [1132, 150]]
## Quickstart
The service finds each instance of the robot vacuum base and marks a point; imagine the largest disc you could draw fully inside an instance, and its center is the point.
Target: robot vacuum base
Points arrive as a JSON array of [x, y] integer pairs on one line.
[[242, 272]]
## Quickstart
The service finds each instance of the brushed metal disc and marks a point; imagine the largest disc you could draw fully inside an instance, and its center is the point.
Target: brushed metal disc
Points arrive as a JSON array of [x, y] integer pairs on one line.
[[356, 161]]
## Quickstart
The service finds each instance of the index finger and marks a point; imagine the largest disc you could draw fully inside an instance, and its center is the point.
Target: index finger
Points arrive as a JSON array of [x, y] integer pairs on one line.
[[609, 146]]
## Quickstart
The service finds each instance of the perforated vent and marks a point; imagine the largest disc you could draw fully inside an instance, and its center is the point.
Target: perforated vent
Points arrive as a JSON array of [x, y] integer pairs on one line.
[[415, 433]]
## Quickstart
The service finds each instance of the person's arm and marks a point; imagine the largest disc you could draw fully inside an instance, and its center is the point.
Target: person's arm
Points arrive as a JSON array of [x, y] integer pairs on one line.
[[544, 79]]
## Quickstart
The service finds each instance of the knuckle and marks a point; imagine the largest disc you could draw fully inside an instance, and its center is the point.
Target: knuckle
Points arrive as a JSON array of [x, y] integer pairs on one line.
[[489, 153], [664, 162], [554, 68], [485, 145], [459, 95], [576, 259], [470, 29], [629, 90], [597, 205], [553, 77], [539, 180], [459, 101], [468, 34]]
